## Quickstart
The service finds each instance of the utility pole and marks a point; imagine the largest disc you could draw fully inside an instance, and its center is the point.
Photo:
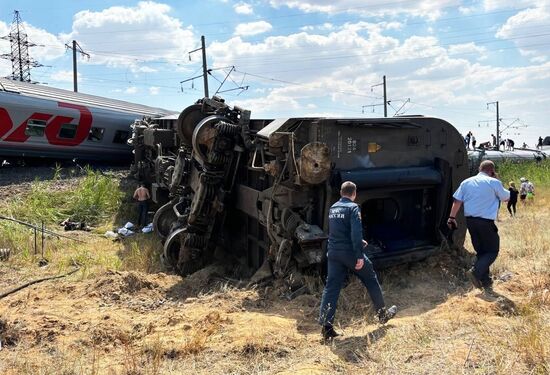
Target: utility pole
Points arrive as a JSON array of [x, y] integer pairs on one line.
[[385, 104], [385, 98], [498, 123], [21, 62], [205, 71], [76, 48]]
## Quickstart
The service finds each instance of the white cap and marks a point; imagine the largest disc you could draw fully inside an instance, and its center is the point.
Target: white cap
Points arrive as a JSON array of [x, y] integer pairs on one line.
[[523, 179]]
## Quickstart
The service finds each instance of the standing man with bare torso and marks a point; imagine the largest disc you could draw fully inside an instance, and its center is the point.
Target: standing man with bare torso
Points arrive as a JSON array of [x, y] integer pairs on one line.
[[142, 195]]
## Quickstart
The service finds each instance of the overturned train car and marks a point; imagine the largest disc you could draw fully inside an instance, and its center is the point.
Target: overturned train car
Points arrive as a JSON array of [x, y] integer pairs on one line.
[[259, 190]]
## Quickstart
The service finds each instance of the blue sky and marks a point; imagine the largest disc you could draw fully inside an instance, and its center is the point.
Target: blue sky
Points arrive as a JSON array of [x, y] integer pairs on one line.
[[444, 58]]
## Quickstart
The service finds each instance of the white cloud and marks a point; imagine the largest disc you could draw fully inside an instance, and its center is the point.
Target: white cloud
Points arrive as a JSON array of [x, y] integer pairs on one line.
[[512, 4], [130, 36], [325, 26], [243, 8], [64, 76], [466, 10], [523, 29], [154, 90], [305, 49], [131, 90], [252, 28], [49, 47], [5, 65], [336, 70], [467, 48], [419, 8]]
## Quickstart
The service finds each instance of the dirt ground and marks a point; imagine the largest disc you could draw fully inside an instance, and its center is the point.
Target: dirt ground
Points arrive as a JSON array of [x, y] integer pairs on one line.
[[129, 322]]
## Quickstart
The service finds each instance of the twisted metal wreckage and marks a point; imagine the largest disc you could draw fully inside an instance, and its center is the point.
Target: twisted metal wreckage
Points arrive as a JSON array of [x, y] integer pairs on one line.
[[260, 189]]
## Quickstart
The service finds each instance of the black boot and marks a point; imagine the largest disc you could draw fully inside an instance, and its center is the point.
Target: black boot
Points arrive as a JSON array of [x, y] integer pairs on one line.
[[329, 333], [385, 314], [477, 283]]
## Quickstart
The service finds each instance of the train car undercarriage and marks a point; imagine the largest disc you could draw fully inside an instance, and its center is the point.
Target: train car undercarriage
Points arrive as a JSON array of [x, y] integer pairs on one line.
[[259, 190]]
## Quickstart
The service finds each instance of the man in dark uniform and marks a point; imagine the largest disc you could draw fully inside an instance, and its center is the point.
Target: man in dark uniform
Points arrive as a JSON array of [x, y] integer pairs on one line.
[[345, 253]]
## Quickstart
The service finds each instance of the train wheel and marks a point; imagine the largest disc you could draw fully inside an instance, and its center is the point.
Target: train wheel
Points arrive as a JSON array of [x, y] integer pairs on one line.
[[193, 253], [172, 248], [187, 121], [163, 220]]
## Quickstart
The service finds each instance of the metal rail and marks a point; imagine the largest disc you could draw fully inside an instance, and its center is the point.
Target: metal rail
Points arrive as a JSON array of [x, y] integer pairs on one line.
[[42, 228], [43, 231]]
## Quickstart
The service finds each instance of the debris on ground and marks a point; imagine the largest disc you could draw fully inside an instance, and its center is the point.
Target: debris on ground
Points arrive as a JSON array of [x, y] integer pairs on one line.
[[148, 228], [111, 234], [5, 254], [69, 225], [126, 230]]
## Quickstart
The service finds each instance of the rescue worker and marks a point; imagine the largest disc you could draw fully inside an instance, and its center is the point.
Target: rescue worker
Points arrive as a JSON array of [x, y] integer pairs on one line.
[[345, 253], [142, 195], [481, 195]]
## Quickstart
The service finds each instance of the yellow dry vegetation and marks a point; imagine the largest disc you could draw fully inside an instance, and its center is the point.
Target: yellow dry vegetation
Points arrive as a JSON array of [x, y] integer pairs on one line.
[[119, 315]]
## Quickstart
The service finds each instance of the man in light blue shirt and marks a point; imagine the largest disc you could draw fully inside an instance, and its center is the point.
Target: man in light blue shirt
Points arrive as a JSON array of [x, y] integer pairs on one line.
[[481, 195]]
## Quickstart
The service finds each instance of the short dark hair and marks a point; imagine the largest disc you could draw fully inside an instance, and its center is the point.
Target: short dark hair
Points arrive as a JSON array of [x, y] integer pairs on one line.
[[487, 166], [347, 189]]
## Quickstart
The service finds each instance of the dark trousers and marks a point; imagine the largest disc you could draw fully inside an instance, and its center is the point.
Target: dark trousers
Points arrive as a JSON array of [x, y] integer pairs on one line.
[[142, 213], [339, 263], [486, 242], [512, 207]]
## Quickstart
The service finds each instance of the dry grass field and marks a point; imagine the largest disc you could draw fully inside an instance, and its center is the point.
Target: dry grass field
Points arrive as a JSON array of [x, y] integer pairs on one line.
[[120, 315]]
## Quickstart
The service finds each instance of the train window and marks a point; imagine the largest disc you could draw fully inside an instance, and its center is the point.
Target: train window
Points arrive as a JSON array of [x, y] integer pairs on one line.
[[35, 128], [96, 134], [121, 136], [67, 131]]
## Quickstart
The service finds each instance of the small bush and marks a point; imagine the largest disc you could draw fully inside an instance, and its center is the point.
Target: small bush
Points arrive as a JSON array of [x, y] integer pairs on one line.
[[95, 198]]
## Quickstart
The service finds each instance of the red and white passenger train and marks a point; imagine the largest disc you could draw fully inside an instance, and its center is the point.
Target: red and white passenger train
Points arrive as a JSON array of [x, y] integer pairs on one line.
[[45, 122]]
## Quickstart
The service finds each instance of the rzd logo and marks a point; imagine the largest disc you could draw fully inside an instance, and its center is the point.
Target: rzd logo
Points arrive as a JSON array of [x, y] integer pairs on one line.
[[52, 127]]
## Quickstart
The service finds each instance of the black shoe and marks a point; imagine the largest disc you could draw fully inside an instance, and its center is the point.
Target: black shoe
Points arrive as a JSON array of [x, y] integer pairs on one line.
[[489, 294], [385, 314], [329, 333], [477, 283]]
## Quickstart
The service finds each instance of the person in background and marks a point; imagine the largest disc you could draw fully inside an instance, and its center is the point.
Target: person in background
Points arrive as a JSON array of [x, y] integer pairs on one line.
[[494, 140], [345, 253], [523, 190], [142, 196], [473, 142], [539, 144], [480, 195], [513, 198], [530, 188], [467, 140]]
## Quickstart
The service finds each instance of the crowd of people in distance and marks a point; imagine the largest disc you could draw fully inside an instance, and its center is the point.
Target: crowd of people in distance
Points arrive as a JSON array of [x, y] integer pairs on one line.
[[504, 144]]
